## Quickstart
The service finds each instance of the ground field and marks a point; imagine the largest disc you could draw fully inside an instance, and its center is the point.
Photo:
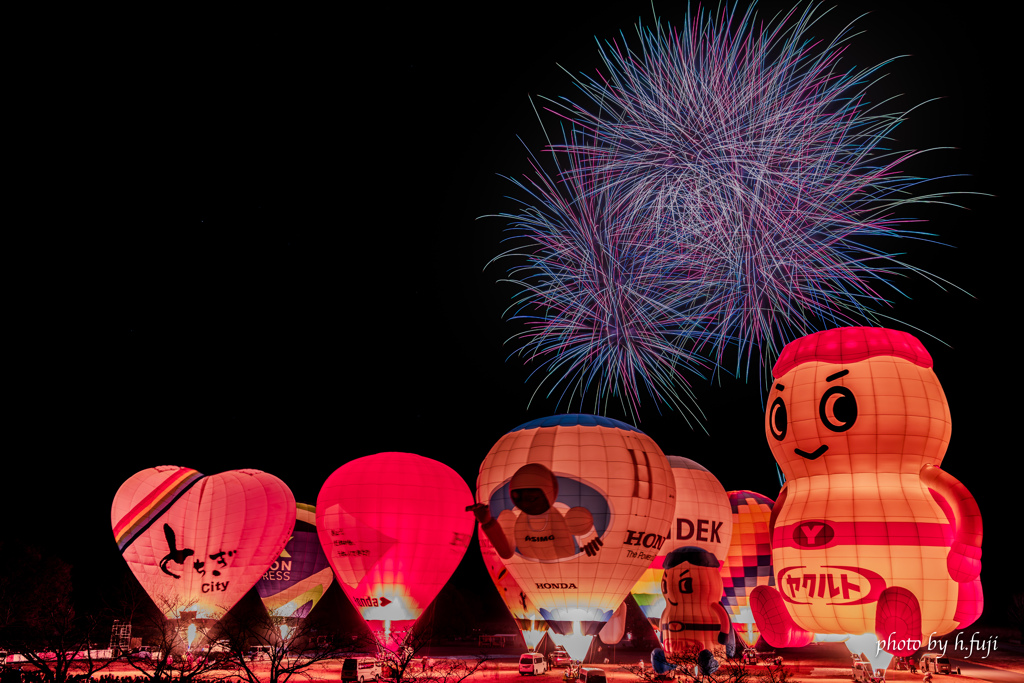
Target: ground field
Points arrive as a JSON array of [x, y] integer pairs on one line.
[[826, 663]]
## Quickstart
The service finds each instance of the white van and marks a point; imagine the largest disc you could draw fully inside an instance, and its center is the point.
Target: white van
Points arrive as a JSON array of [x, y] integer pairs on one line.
[[532, 663], [591, 674], [936, 663], [361, 669], [864, 673]]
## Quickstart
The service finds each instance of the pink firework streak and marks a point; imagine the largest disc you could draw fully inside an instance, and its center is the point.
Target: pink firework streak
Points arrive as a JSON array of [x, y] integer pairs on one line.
[[734, 173]]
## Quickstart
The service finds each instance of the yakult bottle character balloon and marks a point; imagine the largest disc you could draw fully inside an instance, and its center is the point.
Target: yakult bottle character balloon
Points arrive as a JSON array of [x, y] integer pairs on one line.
[[870, 536], [703, 519], [394, 527], [577, 507], [694, 618], [198, 543]]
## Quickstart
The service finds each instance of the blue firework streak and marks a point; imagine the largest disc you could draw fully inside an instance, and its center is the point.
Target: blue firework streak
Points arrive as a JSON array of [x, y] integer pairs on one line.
[[721, 189], [602, 297], [769, 163]]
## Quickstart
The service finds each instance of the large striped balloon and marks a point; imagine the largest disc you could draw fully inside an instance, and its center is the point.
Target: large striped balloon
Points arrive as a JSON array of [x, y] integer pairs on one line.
[[576, 505]]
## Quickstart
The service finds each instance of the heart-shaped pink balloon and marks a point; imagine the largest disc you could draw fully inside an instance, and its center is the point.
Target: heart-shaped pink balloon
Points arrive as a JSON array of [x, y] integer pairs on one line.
[[198, 543]]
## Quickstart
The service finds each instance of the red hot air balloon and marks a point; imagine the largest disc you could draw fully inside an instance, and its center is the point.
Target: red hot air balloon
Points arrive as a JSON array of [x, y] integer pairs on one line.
[[198, 543], [394, 527]]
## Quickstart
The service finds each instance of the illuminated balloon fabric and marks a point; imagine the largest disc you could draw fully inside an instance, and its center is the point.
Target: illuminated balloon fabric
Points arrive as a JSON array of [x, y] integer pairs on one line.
[[859, 425], [526, 615], [199, 543], [748, 563], [694, 618], [576, 556], [394, 527], [703, 518], [297, 579]]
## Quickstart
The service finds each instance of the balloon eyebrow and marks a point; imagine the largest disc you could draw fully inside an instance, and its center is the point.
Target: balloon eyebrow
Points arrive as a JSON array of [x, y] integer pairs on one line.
[[780, 387], [837, 375]]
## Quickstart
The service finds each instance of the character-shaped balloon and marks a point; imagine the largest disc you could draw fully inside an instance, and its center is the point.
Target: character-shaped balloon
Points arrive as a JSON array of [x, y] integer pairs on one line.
[[576, 505], [749, 560], [694, 618], [703, 518], [198, 543], [296, 580], [870, 535], [394, 527]]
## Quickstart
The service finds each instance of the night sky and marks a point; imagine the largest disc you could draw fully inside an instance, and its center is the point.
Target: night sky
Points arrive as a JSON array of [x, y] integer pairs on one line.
[[256, 241]]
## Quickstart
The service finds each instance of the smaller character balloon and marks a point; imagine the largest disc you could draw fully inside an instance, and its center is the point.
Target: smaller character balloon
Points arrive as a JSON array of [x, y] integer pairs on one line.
[[749, 562], [198, 543], [703, 519], [694, 618], [296, 581]]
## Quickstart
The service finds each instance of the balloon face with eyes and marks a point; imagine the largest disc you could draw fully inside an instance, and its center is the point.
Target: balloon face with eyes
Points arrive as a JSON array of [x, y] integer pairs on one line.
[[882, 413]]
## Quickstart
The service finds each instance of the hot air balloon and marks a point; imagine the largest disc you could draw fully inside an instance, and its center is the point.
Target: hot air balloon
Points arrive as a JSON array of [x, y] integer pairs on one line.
[[703, 519], [577, 507], [296, 580], [870, 536], [693, 619], [198, 543], [394, 527], [748, 563], [526, 615]]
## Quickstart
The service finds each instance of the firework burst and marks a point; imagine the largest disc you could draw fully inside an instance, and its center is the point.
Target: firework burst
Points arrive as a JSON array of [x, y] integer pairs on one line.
[[724, 185], [604, 305]]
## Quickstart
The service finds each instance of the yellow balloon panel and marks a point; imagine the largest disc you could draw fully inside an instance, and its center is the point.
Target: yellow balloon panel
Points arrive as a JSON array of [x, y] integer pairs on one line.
[[581, 502], [870, 535]]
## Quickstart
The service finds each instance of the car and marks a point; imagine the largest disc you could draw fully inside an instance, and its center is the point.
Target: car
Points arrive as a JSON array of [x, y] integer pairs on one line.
[[532, 663], [863, 672], [260, 652], [936, 663], [559, 657], [361, 669], [591, 674]]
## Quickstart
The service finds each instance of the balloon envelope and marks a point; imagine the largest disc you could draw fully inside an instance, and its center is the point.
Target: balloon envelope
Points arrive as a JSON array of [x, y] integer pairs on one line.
[[526, 615], [295, 581], [608, 496], [871, 535], [198, 543], [394, 527], [703, 519], [749, 560]]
